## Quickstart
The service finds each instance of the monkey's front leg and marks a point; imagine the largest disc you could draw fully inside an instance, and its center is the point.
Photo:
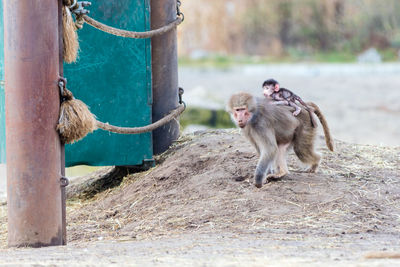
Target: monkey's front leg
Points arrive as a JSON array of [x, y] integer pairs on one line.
[[265, 164]]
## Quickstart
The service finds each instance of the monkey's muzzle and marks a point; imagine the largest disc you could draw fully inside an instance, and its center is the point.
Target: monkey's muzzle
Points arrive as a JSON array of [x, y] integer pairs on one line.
[[241, 124]]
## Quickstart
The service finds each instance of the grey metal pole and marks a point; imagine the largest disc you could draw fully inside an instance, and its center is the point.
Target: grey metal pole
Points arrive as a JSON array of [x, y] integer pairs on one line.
[[32, 107], [165, 73]]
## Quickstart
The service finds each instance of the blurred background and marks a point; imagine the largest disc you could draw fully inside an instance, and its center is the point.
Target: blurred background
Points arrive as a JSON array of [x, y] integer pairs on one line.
[[289, 30], [343, 55]]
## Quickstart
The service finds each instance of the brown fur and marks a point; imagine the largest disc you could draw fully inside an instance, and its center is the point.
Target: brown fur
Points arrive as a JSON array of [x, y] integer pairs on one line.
[[327, 133], [310, 113], [272, 129]]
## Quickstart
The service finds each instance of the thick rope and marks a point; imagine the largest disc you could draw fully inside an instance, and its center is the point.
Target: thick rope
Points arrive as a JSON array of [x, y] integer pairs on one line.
[[129, 34], [76, 120], [148, 128]]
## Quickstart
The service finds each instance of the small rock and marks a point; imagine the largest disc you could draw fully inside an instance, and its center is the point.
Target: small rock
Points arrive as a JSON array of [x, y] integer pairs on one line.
[[370, 56]]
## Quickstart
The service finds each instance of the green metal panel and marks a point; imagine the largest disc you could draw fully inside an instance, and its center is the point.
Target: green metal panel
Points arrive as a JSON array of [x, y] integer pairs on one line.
[[113, 77], [2, 100]]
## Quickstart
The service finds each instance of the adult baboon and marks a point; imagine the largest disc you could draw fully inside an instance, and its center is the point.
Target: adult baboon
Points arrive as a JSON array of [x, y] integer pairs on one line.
[[272, 129]]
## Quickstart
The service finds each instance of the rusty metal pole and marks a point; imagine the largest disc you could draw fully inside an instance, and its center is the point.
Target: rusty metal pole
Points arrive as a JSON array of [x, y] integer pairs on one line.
[[62, 148], [33, 147], [165, 73]]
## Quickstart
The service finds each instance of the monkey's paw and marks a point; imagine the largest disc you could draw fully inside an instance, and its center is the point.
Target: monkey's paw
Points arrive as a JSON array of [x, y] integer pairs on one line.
[[312, 169], [275, 177]]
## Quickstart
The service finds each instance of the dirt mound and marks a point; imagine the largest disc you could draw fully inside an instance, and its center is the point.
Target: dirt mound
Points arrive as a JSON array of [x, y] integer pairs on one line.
[[204, 184]]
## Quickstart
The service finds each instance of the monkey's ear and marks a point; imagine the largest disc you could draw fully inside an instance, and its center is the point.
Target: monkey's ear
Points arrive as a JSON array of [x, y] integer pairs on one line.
[[276, 89]]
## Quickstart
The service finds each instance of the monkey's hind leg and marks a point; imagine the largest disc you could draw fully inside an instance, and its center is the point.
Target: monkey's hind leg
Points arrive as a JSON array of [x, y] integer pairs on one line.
[[304, 149], [298, 109]]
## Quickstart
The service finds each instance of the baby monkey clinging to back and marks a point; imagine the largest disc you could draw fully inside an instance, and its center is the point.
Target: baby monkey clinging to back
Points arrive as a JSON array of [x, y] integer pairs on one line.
[[283, 96]]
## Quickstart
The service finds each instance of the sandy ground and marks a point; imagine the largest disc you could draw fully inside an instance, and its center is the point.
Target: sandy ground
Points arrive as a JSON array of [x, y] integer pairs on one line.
[[199, 207], [200, 250], [191, 210]]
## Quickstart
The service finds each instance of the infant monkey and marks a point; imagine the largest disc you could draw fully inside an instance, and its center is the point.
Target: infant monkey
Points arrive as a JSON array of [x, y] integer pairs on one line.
[[283, 96]]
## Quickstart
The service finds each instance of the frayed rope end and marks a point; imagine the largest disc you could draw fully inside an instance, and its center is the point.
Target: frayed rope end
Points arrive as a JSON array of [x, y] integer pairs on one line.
[[70, 37], [75, 121]]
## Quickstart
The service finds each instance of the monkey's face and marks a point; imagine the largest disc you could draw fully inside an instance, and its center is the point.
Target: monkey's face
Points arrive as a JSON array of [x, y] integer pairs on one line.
[[241, 116], [268, 90]]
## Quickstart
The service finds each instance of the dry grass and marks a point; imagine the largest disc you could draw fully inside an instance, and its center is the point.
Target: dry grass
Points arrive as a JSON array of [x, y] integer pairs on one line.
[[194, 189]]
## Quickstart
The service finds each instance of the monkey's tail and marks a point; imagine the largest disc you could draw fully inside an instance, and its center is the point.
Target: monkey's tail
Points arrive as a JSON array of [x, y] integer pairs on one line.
[[313, 122], [327, 133]]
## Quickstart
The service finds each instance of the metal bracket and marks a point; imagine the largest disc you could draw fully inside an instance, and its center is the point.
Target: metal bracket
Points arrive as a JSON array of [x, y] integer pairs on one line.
[[180, 92], [62, 83], [78, 8], [64, 181], [178, 10]]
